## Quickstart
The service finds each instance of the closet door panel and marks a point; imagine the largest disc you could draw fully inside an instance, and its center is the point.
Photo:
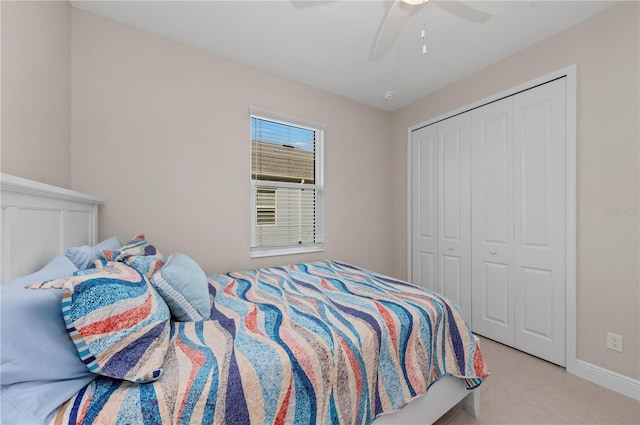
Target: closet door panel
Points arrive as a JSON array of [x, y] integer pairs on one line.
[[537, 288], [539, 218], [425, 271], [496, 305], [492, 220], [454, 211], [451, 161], [423, 207], [452, 270]]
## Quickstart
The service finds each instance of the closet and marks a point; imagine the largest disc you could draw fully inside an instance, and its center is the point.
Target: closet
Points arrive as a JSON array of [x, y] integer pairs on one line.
[[488, 195]]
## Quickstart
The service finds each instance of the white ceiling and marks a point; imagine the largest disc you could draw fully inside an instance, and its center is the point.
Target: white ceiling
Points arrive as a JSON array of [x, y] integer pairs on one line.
[[328, 44]]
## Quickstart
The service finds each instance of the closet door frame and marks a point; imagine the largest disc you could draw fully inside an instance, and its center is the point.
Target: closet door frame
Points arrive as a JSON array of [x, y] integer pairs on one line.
[[570, 73]]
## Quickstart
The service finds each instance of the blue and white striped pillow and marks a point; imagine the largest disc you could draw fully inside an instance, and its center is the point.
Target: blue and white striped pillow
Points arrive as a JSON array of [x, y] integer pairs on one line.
[[117, 321], [184, 287]]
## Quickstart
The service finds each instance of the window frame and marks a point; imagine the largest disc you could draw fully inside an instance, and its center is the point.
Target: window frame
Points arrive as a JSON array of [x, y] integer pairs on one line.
[[317, 186]]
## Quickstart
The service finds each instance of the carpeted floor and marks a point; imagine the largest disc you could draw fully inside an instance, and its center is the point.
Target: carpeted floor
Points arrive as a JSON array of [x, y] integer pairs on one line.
[[523, 389]]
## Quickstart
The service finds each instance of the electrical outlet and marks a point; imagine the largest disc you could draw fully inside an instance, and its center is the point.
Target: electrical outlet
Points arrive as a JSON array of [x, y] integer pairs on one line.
[[614, 342]]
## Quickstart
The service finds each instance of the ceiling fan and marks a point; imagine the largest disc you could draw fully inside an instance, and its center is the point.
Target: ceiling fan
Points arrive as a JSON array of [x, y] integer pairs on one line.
[[399, 11]]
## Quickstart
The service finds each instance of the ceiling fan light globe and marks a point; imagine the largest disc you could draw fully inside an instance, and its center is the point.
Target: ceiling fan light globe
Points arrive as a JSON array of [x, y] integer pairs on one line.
[[414, 2]]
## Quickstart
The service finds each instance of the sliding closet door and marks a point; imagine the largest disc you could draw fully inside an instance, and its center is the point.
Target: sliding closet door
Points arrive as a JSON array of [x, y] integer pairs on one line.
[[454, 211], [492, 220], [424, 214], [539, 219]]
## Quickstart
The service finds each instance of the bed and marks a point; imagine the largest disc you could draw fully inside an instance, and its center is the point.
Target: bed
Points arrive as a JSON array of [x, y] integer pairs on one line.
[[321, 342]]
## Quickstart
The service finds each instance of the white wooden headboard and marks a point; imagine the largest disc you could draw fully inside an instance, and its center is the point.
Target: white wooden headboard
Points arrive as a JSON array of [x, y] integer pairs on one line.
[[39, 221]]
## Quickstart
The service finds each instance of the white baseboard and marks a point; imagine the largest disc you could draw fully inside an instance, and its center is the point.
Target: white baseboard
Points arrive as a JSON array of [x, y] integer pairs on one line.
[[608, 379]]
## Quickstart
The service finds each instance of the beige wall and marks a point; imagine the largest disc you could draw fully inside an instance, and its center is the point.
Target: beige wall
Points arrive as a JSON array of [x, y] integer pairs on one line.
[[606, 51], [35, 107], [161, 132]]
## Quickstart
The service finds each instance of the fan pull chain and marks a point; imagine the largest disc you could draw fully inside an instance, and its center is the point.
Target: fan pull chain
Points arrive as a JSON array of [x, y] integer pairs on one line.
[[424, 41]]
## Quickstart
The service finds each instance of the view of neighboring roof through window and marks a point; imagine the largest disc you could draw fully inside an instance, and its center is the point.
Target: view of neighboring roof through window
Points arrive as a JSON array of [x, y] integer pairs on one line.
[[282, 152]]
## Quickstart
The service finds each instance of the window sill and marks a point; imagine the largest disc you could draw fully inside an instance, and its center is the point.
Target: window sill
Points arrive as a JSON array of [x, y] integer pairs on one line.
[[272, 252]]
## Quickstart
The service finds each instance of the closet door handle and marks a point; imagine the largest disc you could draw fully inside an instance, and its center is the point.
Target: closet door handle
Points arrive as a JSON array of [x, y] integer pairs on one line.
[[494, 252], [450, 248]]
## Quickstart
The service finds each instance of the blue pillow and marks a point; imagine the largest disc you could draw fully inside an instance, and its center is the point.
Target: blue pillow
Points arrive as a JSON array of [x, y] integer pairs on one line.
[[39, 365], [84, 256], [184, 287]]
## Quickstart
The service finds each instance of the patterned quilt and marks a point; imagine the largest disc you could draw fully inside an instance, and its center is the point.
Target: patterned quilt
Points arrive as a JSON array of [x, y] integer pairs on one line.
[[315, 343]]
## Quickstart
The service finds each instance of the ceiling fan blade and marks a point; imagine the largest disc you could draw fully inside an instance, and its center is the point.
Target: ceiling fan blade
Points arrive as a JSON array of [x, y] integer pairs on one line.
[[465, 11], [390, 29]]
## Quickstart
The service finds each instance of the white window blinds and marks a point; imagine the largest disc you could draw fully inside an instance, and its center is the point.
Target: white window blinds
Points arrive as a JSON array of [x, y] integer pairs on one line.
[[286, 184]]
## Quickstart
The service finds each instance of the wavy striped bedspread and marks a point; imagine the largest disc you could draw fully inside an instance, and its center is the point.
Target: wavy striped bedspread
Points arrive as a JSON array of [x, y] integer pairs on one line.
[[316, 343]]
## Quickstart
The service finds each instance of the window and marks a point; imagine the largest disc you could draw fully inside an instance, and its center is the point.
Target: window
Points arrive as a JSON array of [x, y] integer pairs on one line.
[[286, 184]]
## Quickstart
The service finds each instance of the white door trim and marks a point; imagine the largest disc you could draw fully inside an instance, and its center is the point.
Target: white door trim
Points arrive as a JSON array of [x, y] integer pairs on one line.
[[571, 177]]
